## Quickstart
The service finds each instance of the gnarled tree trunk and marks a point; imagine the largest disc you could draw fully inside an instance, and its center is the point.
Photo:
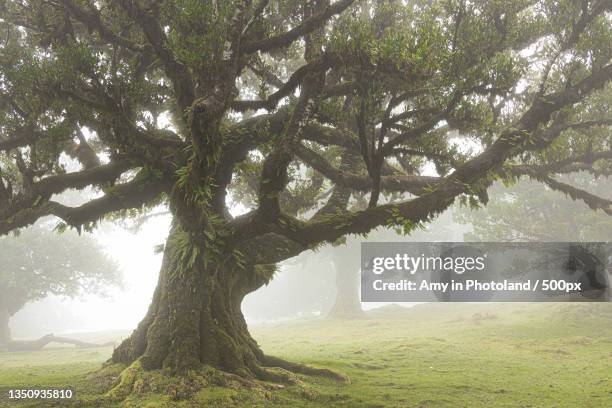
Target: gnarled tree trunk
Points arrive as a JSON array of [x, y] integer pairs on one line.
[[195, 319]]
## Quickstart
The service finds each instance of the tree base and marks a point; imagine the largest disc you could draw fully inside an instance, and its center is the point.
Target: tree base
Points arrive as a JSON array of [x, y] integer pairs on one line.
[[194, 334], [276, 374]]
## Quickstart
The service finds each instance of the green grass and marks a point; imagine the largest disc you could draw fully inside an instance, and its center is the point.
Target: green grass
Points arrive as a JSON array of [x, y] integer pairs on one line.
[[435, 355]]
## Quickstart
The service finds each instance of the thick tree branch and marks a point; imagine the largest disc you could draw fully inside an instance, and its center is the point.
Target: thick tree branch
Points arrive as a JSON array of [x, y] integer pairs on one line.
[[308, 26], [126, 196], [92, 19], [274, 173], [340, 195], [177, 72], [512, 141], [81, 179], [572, 164], [22, 138], [594, 202], [408, 183], [426, 126], [287, 88]]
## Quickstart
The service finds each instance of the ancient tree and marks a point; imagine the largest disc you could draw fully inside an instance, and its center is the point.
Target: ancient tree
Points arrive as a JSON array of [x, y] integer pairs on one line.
[[38, 262], [182, 102]]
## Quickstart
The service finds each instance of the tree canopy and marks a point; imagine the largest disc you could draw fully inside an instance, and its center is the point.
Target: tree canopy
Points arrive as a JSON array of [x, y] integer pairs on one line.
[[156, 101]]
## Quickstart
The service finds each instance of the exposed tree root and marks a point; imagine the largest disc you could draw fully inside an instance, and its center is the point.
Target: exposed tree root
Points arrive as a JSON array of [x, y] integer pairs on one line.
[[194, 335], [297, 368], [273, 374]]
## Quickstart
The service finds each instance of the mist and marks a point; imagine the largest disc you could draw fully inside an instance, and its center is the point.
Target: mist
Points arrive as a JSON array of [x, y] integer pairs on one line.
[[303, 287]]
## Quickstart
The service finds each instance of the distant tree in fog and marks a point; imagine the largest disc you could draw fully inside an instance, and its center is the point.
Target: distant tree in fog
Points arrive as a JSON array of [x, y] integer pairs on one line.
[[326, 280], [39, 262], [530, 211], [346, 260]]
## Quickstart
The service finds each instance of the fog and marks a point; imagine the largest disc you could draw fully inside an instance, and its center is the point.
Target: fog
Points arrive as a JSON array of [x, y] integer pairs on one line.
[[303, 287], [123, 307]]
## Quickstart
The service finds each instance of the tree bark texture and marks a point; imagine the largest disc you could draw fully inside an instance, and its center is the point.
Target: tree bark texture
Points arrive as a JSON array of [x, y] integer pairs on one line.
[[195, 319]]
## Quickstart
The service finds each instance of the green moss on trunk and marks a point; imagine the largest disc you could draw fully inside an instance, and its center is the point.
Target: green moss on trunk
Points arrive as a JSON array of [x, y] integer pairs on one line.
[[195, 323], [195, 319]]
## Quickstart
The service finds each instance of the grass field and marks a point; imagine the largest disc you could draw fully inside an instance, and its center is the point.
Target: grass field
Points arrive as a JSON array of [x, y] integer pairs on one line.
[[434, 355]]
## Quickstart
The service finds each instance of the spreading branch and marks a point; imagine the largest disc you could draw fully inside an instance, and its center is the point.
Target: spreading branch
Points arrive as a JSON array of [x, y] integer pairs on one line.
[[306, 27]]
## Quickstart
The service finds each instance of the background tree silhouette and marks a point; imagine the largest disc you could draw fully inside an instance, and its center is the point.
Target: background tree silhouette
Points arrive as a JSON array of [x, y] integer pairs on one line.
[[39, 262]]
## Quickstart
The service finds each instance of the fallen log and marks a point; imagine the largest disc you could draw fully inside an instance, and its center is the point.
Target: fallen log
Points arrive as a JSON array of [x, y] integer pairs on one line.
[[35, 345]]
